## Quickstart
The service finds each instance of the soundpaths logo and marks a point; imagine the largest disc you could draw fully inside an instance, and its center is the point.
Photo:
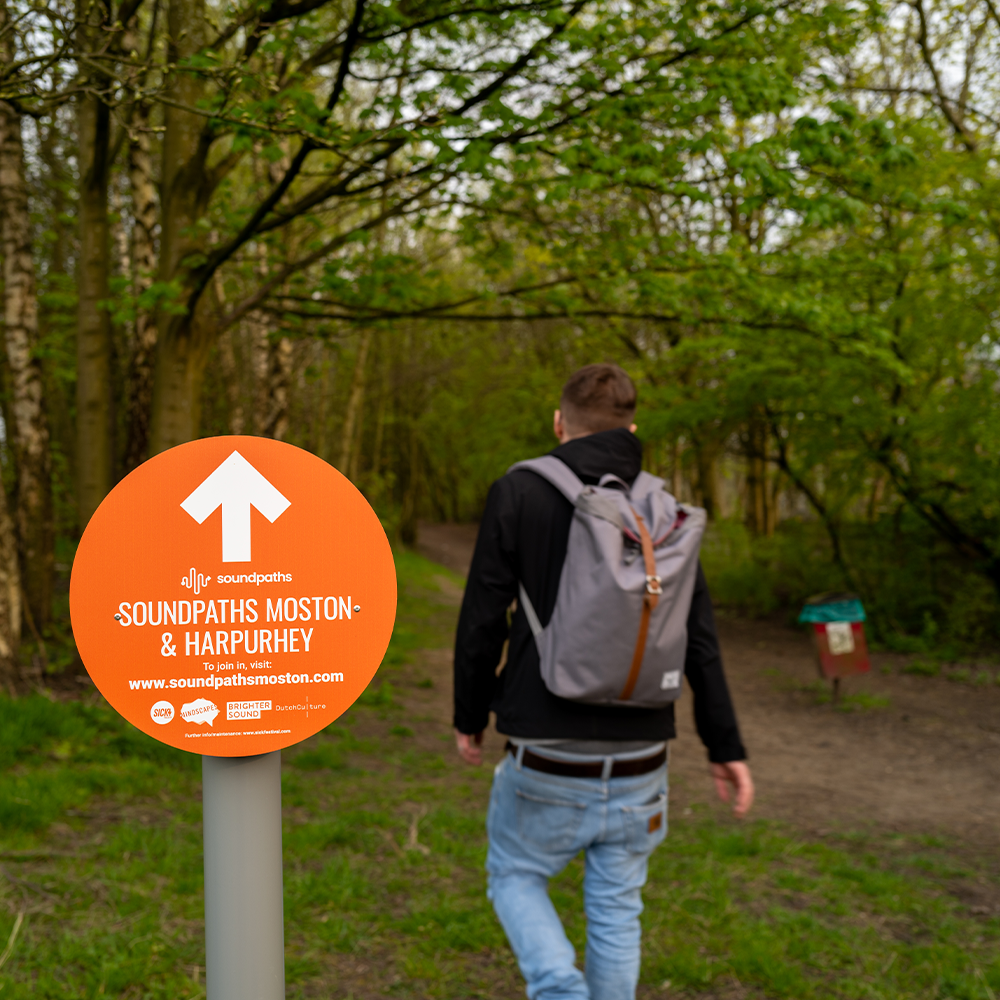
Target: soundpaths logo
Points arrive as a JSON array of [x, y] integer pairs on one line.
[[195, 581]]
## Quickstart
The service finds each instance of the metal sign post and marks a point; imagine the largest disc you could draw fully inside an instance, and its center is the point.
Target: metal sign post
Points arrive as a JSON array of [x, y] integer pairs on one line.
[[232, 597], [244, 923]]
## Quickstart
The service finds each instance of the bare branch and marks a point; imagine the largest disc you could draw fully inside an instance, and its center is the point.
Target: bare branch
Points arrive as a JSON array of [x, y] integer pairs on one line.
[[944, 102], [250, 227], [518, 64], [264, 291]]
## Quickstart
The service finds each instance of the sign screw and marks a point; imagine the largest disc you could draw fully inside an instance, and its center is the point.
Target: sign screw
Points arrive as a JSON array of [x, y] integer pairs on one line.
[[357, 607], [118, 618]]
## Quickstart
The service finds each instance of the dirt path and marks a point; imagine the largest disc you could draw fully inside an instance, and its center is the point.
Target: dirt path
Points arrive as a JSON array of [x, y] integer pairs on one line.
[[927, 760]]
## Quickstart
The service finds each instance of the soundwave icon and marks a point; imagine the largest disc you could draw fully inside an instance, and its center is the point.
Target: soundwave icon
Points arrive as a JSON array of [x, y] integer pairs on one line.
[[194, 580]]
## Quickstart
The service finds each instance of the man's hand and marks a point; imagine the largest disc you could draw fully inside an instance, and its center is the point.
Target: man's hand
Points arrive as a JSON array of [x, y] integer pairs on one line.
[[470, 747], [737, 774]]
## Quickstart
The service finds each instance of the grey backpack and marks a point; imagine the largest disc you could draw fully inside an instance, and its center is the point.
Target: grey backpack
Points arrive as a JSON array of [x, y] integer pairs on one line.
[[618, 633]]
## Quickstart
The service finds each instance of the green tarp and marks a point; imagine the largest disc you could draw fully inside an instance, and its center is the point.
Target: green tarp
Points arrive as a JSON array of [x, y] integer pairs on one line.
[[833, 608]]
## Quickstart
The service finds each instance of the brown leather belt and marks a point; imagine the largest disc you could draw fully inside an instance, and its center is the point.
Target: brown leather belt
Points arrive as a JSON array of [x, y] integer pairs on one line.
[[594, 769]]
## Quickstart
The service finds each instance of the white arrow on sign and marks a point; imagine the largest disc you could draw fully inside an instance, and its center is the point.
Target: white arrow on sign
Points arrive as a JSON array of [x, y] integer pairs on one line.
[[235, 486]]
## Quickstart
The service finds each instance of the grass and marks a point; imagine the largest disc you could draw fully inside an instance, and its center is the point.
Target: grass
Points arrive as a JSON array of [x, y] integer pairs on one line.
[[100, 852], [955, 673], [863, 701], [811, 920], [820, 692], [922, 668]]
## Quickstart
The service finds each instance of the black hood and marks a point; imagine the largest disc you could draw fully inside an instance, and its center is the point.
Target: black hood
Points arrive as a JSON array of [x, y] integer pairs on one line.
[[618, 452]]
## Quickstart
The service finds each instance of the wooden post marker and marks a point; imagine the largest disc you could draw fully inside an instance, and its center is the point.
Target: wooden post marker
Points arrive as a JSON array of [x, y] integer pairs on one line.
[[231, 597]]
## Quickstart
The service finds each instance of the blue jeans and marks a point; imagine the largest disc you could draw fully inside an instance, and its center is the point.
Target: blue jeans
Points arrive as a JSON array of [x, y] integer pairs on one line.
[[537, 823]]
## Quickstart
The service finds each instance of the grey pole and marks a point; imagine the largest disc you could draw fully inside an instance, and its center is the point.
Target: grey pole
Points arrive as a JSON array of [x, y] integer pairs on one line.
[[244, 919]]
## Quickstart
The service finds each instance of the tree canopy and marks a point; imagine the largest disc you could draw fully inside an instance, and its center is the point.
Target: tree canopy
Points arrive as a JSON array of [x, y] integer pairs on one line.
[[388, 231]]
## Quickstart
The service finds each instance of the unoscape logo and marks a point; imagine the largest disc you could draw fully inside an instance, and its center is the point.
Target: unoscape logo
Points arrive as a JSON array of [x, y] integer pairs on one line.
[[199, 711], [194, 580], [162, 712]]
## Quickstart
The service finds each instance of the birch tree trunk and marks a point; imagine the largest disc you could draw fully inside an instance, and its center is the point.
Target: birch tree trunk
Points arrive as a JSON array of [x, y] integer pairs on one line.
[[93, 330], [33, 517]]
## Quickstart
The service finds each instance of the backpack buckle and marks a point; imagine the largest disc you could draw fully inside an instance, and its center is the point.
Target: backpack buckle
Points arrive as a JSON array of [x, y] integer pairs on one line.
[[653, 585]]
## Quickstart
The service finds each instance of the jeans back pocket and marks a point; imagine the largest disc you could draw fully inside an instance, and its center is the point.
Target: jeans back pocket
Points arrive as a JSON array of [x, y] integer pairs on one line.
[[551, 824], [645, 825]]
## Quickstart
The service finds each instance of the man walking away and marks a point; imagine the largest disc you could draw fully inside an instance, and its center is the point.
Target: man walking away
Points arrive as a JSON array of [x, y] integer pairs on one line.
[[586, 767]]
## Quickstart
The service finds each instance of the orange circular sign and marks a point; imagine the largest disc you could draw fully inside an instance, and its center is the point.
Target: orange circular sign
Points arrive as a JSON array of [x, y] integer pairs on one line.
[[233, 596]]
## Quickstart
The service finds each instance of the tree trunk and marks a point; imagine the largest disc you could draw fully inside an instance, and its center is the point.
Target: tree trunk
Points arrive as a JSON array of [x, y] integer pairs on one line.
[[33, 516], [411, 498], [354, 401], [380, 426], [57, 284], [759, 518], [230, 375], [139, 384], [773, 496], [56, 183], [183, 341], [708, 479], [180, 367], [279, 375], [10, 597], [228, 367], [321, 409], [260, 360], [93, 331], [878, 489]]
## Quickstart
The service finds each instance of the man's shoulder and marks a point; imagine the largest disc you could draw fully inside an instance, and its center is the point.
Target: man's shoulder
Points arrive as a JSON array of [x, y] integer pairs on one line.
[[522, 491], [523, 481]]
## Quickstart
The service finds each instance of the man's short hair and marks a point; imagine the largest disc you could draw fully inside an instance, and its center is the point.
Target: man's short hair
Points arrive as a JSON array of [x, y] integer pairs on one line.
[[598, 398]]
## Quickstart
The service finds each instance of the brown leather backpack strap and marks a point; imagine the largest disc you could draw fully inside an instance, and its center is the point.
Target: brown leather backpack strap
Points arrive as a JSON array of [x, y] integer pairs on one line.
[[650, 599]]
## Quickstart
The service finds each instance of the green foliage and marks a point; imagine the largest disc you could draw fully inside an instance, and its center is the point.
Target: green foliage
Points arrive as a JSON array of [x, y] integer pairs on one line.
[[918, 597], [759, 575], [794, 261]]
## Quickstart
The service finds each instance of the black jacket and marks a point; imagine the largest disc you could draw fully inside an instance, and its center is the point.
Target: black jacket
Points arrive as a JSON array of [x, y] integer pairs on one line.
[[523, 537]]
